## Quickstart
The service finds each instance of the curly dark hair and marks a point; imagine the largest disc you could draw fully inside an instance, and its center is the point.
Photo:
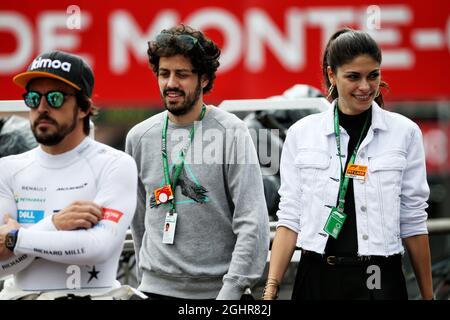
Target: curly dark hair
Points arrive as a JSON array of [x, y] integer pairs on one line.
[[204, 55], [345, 45]]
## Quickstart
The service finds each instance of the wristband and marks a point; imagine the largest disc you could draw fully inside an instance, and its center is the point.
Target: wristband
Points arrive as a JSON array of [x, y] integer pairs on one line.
[[11, 239]]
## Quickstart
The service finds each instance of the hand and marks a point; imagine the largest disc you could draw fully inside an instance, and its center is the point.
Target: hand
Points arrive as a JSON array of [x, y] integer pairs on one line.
[[10, 224], [78, 215]]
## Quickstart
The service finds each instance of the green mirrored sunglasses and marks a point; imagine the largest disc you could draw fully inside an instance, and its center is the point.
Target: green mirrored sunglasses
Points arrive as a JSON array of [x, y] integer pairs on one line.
[[55, 99]]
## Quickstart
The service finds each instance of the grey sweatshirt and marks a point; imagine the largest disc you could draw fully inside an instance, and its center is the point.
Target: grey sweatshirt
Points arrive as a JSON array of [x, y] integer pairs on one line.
[[222, 231]]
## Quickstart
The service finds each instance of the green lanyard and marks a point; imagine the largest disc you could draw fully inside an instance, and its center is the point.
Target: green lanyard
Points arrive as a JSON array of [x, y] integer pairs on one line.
[[180, 164], [344, 179]]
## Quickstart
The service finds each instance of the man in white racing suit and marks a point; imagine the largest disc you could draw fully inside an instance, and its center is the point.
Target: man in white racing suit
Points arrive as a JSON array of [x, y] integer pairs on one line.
[[65, 206]]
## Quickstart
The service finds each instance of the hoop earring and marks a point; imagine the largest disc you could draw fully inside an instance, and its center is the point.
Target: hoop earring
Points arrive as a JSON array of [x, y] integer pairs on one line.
[[330, 91]]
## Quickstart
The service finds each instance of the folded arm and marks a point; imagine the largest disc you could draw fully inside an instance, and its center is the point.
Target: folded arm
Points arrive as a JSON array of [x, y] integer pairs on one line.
[[116, 196]]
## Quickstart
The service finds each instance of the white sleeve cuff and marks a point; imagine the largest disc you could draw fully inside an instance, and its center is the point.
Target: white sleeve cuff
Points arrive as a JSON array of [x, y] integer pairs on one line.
[[413, 229]]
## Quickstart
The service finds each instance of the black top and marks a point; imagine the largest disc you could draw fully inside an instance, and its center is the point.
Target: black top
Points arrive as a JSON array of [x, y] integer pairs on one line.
[[347, 242]]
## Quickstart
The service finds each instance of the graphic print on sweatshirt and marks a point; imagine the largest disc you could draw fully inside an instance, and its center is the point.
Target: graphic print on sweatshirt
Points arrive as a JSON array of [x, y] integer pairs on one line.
[[192, 190]]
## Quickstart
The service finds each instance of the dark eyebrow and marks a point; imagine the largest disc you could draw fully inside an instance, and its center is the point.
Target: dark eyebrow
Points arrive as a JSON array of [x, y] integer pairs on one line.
[[352, 73], [176, 70], [356, 72]]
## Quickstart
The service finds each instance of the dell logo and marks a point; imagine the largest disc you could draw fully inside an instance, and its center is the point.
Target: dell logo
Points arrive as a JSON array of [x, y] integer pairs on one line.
[[29, 216], [26, 215]]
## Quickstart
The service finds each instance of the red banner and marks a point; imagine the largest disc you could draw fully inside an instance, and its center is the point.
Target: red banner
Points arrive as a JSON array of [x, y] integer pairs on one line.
[[436, 138], [267, 46]]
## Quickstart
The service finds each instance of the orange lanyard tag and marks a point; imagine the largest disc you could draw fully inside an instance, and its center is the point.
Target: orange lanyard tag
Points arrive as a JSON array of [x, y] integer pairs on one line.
[[163, 194], [356, 171]]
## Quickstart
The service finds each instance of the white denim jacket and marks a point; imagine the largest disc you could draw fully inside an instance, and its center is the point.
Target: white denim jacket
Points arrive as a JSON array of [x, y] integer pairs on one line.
[[390, 203]]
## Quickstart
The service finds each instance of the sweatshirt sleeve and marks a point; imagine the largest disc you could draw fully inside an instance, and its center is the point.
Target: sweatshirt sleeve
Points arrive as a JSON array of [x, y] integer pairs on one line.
[[117, 197], [250, 218], [138, 223]]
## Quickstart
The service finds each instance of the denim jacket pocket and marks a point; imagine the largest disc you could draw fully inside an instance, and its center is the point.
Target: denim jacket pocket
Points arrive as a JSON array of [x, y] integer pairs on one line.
[[312, 158], [388, 168], [312, 165], [386, 171]]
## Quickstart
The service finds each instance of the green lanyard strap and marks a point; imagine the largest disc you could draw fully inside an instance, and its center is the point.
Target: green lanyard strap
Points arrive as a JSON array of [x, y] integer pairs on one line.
[[181, 157], [343, 185]]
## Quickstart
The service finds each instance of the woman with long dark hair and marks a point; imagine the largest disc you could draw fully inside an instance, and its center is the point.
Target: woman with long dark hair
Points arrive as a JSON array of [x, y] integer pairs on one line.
[[353, 188]]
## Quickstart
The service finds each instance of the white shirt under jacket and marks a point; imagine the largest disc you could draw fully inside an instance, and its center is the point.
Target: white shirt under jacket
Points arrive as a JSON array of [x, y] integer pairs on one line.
[[390, 204]]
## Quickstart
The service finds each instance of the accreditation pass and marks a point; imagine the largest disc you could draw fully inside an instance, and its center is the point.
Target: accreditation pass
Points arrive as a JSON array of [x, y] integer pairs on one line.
[[169, 228]]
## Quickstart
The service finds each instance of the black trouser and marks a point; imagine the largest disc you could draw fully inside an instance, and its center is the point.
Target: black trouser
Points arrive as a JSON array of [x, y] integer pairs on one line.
[[155, 296], [350, 278]]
